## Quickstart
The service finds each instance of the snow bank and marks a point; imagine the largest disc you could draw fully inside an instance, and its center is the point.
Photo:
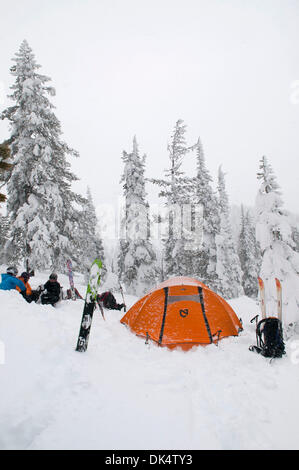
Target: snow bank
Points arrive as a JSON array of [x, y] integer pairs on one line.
[[123, 394]]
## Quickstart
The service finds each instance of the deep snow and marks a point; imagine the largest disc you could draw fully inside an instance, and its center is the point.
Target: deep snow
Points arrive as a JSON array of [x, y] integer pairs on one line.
[[124, 394]]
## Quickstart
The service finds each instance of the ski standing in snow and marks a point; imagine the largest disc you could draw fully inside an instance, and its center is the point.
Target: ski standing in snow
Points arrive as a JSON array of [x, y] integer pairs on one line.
[[72, 293], [89, 305]]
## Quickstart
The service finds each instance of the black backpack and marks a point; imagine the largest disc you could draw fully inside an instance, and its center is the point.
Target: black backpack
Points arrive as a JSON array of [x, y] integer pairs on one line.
[[108, 300], [269, 338]]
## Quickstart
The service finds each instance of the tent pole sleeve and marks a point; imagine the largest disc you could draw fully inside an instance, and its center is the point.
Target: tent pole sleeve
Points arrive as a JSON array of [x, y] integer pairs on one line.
[[204, 313], [164, 314]]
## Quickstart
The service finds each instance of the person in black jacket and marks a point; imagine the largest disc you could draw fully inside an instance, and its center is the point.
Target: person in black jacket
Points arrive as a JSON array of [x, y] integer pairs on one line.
[[53, 289]]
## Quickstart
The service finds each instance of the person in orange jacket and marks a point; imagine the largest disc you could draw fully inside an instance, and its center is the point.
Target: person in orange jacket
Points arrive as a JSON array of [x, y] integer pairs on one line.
[[29, 295], [25, 278]]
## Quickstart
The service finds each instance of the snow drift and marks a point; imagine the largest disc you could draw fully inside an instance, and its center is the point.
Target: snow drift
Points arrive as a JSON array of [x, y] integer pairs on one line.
[[123, 394]]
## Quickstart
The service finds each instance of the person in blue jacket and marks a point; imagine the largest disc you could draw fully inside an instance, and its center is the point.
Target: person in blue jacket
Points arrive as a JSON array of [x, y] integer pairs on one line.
[[9, 280]]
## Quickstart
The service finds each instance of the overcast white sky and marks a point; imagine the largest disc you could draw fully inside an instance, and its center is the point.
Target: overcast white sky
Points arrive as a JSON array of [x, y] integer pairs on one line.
[[126, 67]]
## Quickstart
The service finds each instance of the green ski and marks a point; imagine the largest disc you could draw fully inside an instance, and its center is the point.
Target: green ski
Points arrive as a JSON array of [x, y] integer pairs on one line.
[[89, 305]]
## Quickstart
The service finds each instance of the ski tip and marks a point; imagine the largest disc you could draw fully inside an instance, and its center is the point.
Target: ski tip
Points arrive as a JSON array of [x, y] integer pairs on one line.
[[98, 262]]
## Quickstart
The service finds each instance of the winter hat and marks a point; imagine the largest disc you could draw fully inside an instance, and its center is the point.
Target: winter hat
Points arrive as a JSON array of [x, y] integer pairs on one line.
[[53, 276], [12, 270], [25, 276]]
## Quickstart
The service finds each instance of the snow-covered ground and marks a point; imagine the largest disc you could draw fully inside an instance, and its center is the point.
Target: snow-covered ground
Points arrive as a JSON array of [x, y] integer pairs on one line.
[[124, 394]]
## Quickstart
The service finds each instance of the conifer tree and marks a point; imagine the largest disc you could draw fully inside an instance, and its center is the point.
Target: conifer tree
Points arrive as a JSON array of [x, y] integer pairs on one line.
[[274, 234], [204, 258], [40, 200], [176, 188], [4, 165], [90, 245], [228, 264], [4, 234], [294, 221], [137, 259], [295, 237], [249, 254]]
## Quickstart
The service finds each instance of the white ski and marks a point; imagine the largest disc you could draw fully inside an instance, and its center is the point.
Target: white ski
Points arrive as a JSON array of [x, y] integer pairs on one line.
[[279, 299], [262, 297]]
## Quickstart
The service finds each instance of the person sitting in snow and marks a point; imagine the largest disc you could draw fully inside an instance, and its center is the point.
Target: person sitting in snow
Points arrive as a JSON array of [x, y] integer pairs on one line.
[[108, 300], [9, 281], [29, 295], [53, 291]]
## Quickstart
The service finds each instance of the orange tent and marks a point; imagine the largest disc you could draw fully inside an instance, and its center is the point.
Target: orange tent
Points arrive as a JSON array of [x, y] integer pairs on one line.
[[182, 312]]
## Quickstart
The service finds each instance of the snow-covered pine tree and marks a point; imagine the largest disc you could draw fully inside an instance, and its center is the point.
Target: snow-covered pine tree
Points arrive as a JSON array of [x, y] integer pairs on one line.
[[176, 188], [274, 234], [4, 165], [204, 259], [136, 259], [4, 233], [295, 231], [228, 264], [89, 243], [249, 254], [295, 237], [40, 201]]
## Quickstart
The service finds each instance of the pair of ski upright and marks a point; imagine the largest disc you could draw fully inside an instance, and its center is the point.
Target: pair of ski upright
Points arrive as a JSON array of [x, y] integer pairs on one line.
[[72, 293], [269, 333], [263, 300]]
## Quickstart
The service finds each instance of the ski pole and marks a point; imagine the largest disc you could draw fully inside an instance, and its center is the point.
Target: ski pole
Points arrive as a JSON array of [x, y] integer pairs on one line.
[[122, 293]]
